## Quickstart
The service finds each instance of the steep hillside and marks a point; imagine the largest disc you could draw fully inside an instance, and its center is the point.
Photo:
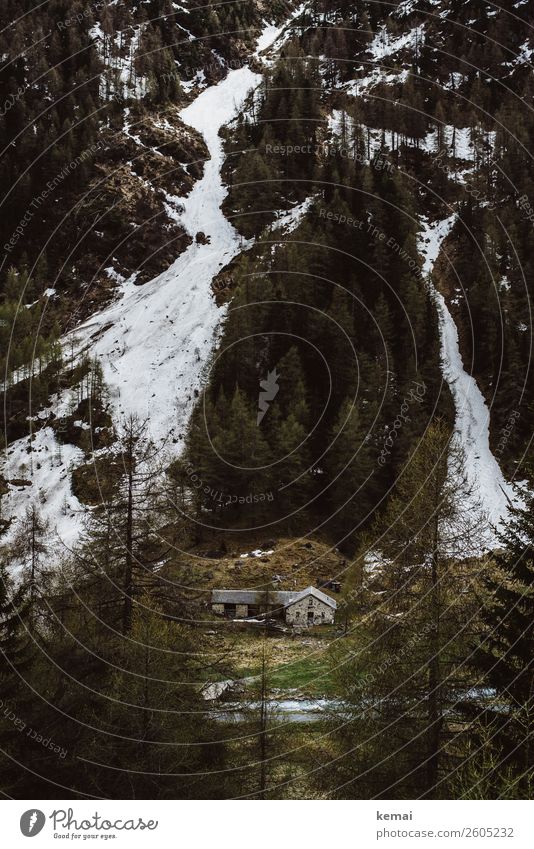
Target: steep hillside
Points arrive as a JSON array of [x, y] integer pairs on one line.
[[352, 143]]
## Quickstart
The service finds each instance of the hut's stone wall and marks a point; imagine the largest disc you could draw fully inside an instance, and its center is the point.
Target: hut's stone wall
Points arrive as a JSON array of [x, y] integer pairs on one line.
[[298, 612]]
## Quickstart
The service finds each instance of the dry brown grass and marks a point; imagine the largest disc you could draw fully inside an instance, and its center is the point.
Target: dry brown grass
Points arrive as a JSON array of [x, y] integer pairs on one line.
[[298, 562]]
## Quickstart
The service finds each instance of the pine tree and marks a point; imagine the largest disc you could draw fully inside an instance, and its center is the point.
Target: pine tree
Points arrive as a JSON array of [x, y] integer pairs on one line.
[[155, 735], [242, 452], [31, 546], [13, 633]]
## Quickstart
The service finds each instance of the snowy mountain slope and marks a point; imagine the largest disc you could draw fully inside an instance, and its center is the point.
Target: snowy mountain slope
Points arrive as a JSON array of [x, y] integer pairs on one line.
[[153, 341], [424, 53]]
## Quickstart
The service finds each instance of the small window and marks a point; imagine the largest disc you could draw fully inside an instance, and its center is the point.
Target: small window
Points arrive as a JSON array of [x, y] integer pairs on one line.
[[297, 615], [310, 602]]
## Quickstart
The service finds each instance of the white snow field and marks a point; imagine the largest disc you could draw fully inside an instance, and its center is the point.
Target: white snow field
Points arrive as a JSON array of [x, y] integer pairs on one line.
[[154, 340], [492, 494]]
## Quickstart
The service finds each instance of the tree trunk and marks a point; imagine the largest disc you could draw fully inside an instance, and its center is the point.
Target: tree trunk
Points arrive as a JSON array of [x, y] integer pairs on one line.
[[435, 708], [263, 729], [128, 572]]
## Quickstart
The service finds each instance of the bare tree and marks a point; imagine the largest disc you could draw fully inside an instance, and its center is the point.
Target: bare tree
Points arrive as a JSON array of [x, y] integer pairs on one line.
[[122, 539]]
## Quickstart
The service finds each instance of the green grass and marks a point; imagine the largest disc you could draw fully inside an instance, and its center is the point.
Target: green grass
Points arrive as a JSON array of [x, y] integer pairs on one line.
[[310, 675]]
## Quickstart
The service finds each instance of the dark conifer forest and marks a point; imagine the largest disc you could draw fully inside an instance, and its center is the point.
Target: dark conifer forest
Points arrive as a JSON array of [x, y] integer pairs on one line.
[[266, 487]]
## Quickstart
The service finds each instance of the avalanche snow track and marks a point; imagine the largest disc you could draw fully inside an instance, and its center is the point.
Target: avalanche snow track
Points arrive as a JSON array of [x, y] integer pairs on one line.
[[155, 340], [491, 493]]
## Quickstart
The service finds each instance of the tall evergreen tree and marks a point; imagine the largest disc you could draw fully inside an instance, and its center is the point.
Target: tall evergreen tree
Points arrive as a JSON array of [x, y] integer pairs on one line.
[[406, 662], [505, 655]]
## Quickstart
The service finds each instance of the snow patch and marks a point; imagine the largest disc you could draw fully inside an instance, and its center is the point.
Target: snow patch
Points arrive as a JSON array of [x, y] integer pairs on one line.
[[290, 220], [384, 44], [257, 553], [272, 34], [120, 78]]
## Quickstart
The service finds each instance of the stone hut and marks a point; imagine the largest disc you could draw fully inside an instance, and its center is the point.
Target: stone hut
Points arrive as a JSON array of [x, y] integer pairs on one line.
[[300, 608]]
